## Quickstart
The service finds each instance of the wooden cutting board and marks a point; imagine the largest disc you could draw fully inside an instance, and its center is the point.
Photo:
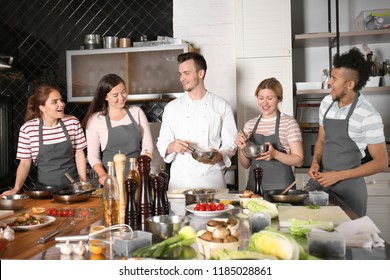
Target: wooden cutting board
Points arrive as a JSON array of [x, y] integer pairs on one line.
[[326, 213], [6, 213]]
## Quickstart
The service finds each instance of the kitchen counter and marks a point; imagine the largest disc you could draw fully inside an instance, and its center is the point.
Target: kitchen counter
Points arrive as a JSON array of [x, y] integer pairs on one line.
[[25, 245]]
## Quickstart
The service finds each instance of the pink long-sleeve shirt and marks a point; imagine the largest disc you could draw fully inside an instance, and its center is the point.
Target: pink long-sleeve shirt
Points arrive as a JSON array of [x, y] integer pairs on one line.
[[97, 133]]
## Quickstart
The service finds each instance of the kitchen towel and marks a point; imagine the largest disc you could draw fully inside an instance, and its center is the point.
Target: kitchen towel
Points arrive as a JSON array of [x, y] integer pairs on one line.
[[361, 232]]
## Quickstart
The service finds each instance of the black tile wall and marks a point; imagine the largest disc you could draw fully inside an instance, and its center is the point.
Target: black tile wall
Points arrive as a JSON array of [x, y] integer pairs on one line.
[[37, 34]]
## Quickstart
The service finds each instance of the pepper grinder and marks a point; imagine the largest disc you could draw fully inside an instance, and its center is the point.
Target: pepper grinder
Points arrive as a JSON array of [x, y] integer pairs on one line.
[[131, 212], [165, 200], [258, 174], [158, 206], [145, 206], [120, 162]]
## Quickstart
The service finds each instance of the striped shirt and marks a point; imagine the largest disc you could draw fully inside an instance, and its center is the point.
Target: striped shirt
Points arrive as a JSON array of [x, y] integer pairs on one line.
[[28, 144], [289, 130], [365, 124]]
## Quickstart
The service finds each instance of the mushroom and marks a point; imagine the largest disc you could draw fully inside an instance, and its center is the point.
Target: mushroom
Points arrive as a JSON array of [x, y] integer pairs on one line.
[[220, 232]]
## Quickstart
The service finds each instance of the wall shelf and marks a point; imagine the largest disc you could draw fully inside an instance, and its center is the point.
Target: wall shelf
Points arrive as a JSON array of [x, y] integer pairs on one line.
[[326, 39], [324, 92]]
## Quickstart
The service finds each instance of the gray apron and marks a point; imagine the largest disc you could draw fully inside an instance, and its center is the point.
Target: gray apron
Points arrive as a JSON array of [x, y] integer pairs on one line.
[[54, 160], [124, 138], [276, 174], [342, 153]]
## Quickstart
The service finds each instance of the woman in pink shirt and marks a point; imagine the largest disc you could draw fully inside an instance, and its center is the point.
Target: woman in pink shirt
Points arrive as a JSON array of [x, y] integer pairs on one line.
[[112, 126]]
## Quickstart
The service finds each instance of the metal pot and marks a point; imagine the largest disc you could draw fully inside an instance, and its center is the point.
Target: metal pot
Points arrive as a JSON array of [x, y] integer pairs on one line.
[[292, 196], [193, 196], [72, 196]]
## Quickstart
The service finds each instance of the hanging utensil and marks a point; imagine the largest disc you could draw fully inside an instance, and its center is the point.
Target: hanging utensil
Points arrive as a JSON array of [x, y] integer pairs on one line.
[[289, 187]]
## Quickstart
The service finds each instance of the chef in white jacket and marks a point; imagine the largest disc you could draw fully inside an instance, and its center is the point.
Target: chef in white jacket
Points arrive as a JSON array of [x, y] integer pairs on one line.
[[201, 119]]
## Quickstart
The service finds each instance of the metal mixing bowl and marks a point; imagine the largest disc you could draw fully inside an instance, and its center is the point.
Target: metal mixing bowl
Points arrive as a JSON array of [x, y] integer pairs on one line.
[[13, 202], [193, 196], [165, 226], [253, 151]]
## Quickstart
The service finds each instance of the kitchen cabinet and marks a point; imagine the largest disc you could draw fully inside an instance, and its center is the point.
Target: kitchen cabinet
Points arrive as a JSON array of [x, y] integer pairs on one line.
[[263, 50], [378, 201], [149, 72]]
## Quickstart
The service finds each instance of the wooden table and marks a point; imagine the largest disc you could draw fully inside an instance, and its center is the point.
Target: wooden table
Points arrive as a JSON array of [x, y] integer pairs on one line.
[[25, 245]]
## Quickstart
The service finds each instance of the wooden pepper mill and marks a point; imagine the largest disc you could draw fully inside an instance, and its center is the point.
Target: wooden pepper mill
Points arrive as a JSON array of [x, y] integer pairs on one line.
[[145, 206], [165, 200], [131, 211], [158, 185], [120, 163]]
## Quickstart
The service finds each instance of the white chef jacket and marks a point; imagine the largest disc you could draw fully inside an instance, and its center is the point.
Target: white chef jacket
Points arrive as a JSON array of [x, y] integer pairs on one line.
[[207, 123]]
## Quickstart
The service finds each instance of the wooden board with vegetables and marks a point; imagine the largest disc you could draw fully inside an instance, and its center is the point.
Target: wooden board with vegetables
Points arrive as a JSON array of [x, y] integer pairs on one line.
[[325, 213]]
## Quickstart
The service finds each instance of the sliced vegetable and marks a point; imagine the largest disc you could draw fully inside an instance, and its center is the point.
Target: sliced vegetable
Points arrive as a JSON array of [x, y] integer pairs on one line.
[[303, 227], [261, 205]]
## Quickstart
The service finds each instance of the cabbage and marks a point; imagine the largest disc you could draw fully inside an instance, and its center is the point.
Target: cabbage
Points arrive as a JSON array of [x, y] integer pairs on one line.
[[261, 205], [275, 243], [303, 227], [281, 245]]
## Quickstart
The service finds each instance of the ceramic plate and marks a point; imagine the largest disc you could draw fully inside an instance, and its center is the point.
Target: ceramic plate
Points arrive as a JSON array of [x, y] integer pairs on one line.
[[48, 221], [190, 208]]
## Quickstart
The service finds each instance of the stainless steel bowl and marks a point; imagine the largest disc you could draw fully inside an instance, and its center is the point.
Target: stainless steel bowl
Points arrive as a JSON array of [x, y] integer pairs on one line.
[[13, 202], [193, 196], [165, 226], [253, 151], [80, 186]]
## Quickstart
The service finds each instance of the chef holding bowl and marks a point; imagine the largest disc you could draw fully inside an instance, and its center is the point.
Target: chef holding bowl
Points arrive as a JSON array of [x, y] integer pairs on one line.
[[281, 134]]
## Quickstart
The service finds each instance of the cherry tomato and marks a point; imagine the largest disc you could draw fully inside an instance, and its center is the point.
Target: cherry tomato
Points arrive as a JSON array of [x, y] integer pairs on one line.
[[213, 206], [220, 206], [84, 213], [70, 213], [197, 207], [54, 212], [207, 208], [49, 212]]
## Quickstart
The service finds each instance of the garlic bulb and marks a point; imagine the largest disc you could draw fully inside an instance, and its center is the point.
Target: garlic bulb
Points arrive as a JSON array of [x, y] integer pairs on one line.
[[9, 233], [79, 249], [67, 248]]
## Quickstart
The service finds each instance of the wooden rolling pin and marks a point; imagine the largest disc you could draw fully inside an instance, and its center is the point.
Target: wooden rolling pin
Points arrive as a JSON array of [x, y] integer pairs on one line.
[[120, 162]]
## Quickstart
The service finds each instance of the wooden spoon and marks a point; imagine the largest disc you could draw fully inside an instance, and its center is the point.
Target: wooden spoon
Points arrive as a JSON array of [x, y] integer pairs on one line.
[[289, 187]]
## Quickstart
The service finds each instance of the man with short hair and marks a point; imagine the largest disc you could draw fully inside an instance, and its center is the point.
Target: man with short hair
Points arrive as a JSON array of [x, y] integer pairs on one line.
[[348, 125]]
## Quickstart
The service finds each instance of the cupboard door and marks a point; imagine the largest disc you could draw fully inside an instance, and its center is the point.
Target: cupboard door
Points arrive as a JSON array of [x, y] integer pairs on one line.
[[263, 28]]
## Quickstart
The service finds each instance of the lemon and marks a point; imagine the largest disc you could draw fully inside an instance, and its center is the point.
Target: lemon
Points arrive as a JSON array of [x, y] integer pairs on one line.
[[38, 210], [97, 257], [97, 247]]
